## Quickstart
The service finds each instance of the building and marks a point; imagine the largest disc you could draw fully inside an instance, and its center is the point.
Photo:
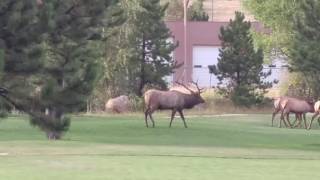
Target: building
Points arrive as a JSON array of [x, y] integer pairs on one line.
[[223, 10], [202, 49]]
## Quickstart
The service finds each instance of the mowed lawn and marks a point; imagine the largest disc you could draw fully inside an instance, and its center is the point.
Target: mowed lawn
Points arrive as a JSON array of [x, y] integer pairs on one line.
[[238, 147]]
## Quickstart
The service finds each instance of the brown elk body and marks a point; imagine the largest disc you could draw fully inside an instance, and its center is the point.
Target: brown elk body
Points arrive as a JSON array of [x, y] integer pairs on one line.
[[174, 100], [293, 105], [316, 113], [118, 104], [277, 108]]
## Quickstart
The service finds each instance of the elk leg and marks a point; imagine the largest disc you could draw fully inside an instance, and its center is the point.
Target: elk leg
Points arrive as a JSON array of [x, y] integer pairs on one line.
[[298, 119], [314, 116], [288, 121], [275, 112], [182, 117], [150, 111], [172, 116], [146, 116], [305, 121], [280, 121], [283, 119], [150, 115], [284, 114], [295, 121]]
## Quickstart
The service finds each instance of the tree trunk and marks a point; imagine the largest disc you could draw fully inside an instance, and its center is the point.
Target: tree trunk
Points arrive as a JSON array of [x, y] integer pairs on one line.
[[53, 123], [88, 106], [142, 73], [53, 135]]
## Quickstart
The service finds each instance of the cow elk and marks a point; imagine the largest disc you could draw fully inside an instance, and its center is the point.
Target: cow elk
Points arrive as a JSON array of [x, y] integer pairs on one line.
[[118, 104], [297, 106], [172, 99], [316, 113], [277, 108]]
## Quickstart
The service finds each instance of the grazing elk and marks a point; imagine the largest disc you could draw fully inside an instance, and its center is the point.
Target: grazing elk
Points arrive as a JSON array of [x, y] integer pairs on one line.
[[277, 109], [174, 100], [294, 105], [316, 113], [118, 104]]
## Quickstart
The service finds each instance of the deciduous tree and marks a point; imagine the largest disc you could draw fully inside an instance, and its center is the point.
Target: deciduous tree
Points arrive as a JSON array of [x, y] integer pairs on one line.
[[278, 16]]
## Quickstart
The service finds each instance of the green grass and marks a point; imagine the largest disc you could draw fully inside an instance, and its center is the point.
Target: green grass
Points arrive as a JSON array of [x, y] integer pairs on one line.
[[122, 148]]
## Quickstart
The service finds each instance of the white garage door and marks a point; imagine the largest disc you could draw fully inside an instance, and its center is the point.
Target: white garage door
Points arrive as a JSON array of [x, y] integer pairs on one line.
[[203, 56]]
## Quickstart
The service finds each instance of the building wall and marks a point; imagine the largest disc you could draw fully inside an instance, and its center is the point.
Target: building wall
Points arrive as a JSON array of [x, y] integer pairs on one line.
[[198, 34], [223, 10], [218, 10]]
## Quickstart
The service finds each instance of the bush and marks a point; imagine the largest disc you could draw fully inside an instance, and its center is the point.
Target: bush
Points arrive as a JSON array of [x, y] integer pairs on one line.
[[136, 102], [216, 103]]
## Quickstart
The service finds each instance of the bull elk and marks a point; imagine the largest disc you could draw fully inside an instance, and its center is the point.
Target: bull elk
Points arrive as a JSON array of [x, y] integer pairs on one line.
[[316, 113], [174, 100]]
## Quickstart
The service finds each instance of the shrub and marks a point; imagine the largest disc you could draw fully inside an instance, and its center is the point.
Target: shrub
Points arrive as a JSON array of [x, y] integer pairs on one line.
[[136, 102]]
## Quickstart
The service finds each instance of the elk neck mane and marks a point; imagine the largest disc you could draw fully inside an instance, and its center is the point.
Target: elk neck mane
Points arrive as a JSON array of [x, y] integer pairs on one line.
[[190, 100]]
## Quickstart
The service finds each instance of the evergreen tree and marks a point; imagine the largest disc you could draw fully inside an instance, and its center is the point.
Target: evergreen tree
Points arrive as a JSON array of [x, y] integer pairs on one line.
[[20, 49], [141, 49], [152, 53], [304, 53], [239, 64], [51, 60]]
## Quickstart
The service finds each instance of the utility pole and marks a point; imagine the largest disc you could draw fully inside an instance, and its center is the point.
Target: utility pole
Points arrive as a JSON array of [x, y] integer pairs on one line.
[[212, 10], [185, 64]]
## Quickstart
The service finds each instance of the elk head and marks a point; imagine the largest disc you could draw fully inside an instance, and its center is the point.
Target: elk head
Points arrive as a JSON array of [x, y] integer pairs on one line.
[[196, 94]]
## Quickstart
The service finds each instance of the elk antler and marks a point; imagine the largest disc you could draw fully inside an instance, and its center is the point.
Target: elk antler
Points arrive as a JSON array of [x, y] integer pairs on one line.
[[192, 92], [200, 90]]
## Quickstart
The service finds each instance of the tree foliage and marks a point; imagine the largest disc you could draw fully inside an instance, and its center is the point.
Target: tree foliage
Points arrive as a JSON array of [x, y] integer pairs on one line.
[[195, 11], [119, 48], [175, 10], [141, 50], [304, 52], [294, 33], [51, 62], [239, 67], [276, 15], [152, 52]]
